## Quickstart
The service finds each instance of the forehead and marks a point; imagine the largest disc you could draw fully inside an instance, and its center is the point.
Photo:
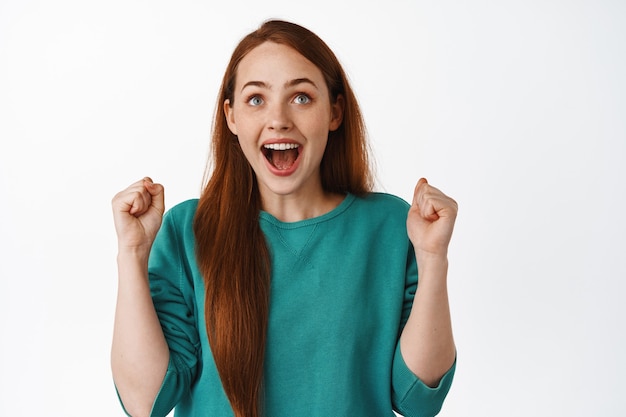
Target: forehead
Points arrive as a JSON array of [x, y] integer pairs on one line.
[[276, 63]]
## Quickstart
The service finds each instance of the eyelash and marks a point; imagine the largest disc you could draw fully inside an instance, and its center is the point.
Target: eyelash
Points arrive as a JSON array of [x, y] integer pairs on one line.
[[308, 98], [297, 96], [253, 97]]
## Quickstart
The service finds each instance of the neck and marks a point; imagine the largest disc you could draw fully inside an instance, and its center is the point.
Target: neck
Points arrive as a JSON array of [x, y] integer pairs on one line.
[[296, 207]]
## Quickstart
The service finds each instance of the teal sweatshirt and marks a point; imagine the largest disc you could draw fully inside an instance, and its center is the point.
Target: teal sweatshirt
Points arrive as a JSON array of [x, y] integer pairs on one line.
[[342, 287]]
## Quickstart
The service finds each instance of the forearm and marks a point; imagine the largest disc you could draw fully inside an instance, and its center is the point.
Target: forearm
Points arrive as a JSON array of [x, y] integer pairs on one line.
[[139, 354], [426, 343]]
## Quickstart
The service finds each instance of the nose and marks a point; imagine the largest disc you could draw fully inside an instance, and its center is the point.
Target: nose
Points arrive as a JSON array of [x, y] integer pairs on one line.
[[279, 119]]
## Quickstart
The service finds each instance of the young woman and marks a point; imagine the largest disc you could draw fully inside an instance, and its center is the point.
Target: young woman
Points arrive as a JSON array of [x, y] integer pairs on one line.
[[289, 288]]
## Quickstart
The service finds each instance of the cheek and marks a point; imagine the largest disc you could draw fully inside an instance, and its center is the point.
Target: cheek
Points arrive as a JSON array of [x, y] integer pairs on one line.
[[247, 139], [248, 147], [318, 138], [248, 128], [317, 124]]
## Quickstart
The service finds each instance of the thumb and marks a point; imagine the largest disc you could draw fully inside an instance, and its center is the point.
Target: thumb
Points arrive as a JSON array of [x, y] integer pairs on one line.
[[418, 191], [423, 203], [157, 191]]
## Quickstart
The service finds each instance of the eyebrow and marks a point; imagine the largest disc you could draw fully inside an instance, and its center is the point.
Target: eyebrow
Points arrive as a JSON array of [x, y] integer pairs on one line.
[[291, 83]]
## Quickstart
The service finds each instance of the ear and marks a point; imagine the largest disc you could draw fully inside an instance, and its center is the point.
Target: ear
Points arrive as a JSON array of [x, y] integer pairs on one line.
[[230, 117], [336, 113]]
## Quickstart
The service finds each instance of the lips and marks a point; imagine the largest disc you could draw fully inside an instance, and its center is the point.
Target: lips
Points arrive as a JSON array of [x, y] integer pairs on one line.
[[282, 156]]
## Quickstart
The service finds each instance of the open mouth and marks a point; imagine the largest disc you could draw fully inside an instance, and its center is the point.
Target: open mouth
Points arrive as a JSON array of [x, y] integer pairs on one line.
[[281, 155]]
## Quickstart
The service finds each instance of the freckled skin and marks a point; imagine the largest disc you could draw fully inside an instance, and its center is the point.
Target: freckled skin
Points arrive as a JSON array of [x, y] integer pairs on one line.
[[282, 97]]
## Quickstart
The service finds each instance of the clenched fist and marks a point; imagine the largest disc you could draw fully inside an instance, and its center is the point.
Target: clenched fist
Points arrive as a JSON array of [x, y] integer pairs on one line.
[[431, 220], [137, 213]]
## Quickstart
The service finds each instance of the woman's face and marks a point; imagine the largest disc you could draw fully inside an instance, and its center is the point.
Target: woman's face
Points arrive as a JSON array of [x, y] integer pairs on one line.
[[282, 114]]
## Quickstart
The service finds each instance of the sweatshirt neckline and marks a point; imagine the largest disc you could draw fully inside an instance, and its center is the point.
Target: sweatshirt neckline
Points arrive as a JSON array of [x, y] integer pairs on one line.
[[343, 206]]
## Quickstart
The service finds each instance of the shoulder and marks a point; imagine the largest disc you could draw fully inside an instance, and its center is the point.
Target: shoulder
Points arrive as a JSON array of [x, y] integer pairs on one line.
[[183, 211], [380, 209], [376, 201], [177, 227], [179, 219]]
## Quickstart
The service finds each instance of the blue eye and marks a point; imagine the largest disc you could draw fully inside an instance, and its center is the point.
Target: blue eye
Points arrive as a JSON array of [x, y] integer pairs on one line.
[[302, 99], [255, 101]]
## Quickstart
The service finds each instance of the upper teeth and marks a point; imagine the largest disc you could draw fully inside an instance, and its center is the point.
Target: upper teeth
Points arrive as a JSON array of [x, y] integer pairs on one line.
[[280, 146]]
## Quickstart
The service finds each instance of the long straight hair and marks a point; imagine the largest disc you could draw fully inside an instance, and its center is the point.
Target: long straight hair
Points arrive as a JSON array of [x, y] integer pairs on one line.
[[231, 250]]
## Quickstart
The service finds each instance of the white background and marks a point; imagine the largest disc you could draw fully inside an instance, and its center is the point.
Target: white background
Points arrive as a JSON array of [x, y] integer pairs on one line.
[[515, 108]]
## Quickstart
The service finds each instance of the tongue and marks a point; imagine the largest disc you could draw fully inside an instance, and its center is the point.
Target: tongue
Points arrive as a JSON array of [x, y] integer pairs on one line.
[[284, 159]]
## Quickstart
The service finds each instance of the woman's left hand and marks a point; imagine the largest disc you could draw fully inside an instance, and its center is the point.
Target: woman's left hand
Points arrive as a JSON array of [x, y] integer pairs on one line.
[[427, 343], [430, 220]]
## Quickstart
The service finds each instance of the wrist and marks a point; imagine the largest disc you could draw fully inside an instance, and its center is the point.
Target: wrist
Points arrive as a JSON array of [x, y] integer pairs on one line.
[[432, 268], [431, 258], [133, 254]]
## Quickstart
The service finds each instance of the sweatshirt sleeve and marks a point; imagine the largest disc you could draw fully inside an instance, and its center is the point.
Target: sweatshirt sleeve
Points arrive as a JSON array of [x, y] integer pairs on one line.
[[171, 285], [410, 396]]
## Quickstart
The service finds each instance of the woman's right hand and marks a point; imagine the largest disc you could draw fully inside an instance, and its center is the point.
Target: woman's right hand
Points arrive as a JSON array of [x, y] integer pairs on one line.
[[137, 213], [139, 352]]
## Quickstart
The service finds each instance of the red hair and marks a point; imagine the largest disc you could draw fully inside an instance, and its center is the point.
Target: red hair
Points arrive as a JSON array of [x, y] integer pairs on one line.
[[231, 251]]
